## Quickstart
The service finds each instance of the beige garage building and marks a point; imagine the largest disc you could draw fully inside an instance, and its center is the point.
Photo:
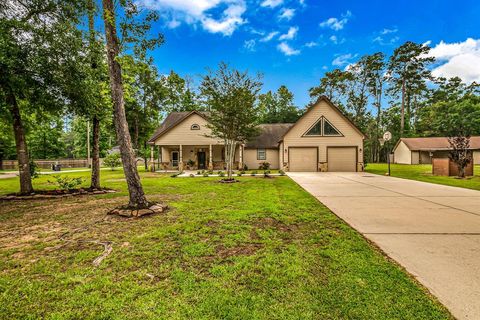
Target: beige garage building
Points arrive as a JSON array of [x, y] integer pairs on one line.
[[323, 139], [422, 150]]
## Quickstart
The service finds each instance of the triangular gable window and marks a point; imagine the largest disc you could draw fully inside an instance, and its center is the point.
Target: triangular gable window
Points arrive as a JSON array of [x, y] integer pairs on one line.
[[316, 130], [329, 129], [323, 127]]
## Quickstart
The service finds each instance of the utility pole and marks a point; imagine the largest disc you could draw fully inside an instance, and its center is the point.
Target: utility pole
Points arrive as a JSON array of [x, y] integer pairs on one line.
[[88, 144]]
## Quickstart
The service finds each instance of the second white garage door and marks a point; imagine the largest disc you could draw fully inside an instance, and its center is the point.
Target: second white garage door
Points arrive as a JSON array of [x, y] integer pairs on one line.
[[303, 159], [342, 159]]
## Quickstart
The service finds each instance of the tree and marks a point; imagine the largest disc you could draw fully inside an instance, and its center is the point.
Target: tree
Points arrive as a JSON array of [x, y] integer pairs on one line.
[[460, 153], [407, 74], [278, 107], [136, 34], [333, 85], [37, 40], [144, 94], [453, 110], [375, 83], [231, 96], [178, 96]]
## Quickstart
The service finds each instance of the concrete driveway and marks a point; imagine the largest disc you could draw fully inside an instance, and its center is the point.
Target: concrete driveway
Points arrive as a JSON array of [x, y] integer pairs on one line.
[[431, 230]]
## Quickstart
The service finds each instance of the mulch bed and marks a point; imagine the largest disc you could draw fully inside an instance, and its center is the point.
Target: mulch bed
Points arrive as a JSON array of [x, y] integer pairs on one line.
[[53, 194]]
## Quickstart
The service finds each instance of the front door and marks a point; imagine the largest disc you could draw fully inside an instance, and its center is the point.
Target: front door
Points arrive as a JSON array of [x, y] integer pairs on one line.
[[175, 159], [202, 163]]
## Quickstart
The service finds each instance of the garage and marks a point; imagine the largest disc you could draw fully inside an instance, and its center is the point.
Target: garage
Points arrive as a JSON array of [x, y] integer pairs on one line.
[[342, 159], [303, 159]]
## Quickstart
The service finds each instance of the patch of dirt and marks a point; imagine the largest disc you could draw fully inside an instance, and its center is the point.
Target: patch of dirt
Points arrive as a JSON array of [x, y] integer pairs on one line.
[[242, 250], [274, 223]]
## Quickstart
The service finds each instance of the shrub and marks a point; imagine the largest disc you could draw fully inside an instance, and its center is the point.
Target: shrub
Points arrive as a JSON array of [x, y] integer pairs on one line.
[[239, 174], [198, 172], [67, 183], [242, 172], [282, 173], [245, 167], [266, 174], [190, 163], [221, 174], [254, 173], [264, 166], [210, 171], [205, 174], [112, 160], [33, 169], [192, 175]]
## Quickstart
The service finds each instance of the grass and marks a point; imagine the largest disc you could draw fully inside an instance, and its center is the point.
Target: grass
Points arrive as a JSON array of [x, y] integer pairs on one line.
[[258, 249], [423, 172]]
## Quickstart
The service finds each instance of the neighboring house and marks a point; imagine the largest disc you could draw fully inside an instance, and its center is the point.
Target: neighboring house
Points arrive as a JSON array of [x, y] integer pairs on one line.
[[323, 139], [422, 150]]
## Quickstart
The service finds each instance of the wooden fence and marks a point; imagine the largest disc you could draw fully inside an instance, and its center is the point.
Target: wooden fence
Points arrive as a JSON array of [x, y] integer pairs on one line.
[[47, 164]]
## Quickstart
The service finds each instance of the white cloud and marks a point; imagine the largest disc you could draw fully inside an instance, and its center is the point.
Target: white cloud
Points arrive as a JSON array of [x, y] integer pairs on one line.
[[336, 40], [287, 50], [461, 59], [292, 32], [387, 31], [249, 45], [311, 44], [193, 12], [174, 23], [386, 37], [342, 60], [385, 42], [271, 3], [269, 36], [286, 14], [335, 23]]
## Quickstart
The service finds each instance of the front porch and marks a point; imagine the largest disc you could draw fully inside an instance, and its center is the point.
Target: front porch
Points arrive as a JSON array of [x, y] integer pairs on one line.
[[192, 157]]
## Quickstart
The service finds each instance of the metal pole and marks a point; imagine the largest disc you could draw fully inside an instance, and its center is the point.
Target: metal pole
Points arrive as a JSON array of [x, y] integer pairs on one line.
[[88, 144], [388, 155]]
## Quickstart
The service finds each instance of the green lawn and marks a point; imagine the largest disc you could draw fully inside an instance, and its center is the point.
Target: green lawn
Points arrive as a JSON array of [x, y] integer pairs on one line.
[[423, 172], [258, 249]]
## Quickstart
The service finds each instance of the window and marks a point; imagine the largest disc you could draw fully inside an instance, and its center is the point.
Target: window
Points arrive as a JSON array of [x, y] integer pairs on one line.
[[261, 154], [329, 129], [316, 130], [195, 127], [323, 128]]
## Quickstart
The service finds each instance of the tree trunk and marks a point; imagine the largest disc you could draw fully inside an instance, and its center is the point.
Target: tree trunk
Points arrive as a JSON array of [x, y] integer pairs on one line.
[[95, 182], [379, 118], [137, 196], [136, 133], [21, 145], [145, 157], [402, 120]]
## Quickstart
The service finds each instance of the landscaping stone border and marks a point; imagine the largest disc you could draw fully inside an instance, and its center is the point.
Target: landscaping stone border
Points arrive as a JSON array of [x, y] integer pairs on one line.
[[55, 194], [136, 213]]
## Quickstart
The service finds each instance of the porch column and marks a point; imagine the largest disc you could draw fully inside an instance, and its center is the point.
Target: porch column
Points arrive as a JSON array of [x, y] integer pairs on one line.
[[180, 158], [240, 162], [160, 160], [210, 158], [152, 162]]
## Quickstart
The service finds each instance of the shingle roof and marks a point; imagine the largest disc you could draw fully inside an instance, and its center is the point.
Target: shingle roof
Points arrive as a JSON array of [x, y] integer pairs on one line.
[[435, 143], [269, 136], [172, 120]]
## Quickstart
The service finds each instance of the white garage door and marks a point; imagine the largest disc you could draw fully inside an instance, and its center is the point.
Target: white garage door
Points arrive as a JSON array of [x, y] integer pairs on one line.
[[342, 159], [302, 159]]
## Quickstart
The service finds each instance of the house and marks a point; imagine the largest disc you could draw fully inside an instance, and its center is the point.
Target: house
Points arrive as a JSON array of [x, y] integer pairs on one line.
[[422, 150], [323, 139]]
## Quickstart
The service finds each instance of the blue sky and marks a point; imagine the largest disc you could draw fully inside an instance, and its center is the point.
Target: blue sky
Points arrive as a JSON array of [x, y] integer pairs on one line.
[[293, 42]]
